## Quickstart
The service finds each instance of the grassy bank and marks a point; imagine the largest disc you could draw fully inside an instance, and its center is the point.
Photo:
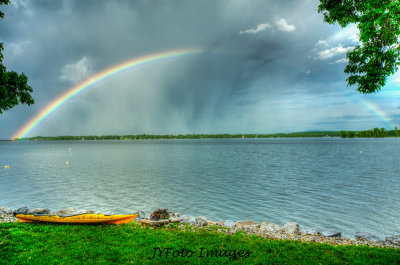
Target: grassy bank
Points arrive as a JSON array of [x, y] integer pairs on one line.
[[131, 244]]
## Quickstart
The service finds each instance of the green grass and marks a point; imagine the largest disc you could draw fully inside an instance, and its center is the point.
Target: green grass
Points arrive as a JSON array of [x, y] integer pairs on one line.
[[31, 243]]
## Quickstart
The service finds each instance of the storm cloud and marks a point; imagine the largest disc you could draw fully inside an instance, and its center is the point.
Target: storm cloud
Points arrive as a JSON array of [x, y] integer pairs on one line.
[[266, 66]]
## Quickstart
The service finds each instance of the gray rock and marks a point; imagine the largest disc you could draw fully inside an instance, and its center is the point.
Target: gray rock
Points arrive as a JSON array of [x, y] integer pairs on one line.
[[22, 210], [70, 211], [201, 220], [246, 224], [7, 218], [67, 211], [367, 236], [348, 237], [175, 219], [395, 240], [141, 215], [159, 222], [291, 228], [270, 227], [177, 214], [39, 211], [188, 219], [81, 211], [229, 223], [332, 233], [5, 211], [311, 231]]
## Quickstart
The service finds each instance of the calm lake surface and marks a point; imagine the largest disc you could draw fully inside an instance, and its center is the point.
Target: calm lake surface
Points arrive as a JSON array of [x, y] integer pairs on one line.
[[327, 183]]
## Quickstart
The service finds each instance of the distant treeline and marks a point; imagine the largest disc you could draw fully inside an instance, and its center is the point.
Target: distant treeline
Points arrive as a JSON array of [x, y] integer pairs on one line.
[[375, 132], [185, 136]]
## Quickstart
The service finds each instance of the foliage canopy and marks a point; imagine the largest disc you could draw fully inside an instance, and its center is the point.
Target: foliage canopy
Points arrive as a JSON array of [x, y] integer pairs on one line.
[[378, 56], [14, 88]]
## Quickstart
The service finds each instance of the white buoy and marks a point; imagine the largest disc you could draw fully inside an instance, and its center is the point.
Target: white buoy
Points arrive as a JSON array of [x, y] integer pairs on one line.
[[67, 163], [361, 152]]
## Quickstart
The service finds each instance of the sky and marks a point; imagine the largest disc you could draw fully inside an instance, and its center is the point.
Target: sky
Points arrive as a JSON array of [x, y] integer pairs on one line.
[[265, 67]]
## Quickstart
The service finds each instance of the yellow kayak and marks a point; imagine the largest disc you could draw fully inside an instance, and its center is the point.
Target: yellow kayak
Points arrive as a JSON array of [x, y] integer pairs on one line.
[[78, 219]]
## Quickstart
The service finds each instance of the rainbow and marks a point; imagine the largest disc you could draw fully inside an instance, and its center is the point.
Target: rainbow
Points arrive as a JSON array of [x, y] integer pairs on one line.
[[93, 80], [371, 107], [378, 112]]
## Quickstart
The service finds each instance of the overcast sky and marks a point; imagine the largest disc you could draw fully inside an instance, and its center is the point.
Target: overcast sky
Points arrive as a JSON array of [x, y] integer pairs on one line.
[[267, 66]]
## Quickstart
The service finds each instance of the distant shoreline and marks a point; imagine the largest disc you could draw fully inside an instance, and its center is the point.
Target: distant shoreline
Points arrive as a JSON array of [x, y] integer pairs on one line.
[[185, 136], [373, 133]]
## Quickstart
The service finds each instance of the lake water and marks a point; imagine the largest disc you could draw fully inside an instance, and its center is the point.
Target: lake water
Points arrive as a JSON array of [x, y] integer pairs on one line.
[[327, 183]]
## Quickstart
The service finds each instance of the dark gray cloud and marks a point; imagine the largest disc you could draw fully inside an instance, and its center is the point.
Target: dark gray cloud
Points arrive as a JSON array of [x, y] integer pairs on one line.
[[267, 66]]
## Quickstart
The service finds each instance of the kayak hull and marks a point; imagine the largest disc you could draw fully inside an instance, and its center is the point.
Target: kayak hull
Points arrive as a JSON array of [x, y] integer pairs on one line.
[[78, 219]]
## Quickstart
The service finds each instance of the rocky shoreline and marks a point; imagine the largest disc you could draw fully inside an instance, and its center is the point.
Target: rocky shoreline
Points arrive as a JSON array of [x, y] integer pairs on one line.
[[290, 231]]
